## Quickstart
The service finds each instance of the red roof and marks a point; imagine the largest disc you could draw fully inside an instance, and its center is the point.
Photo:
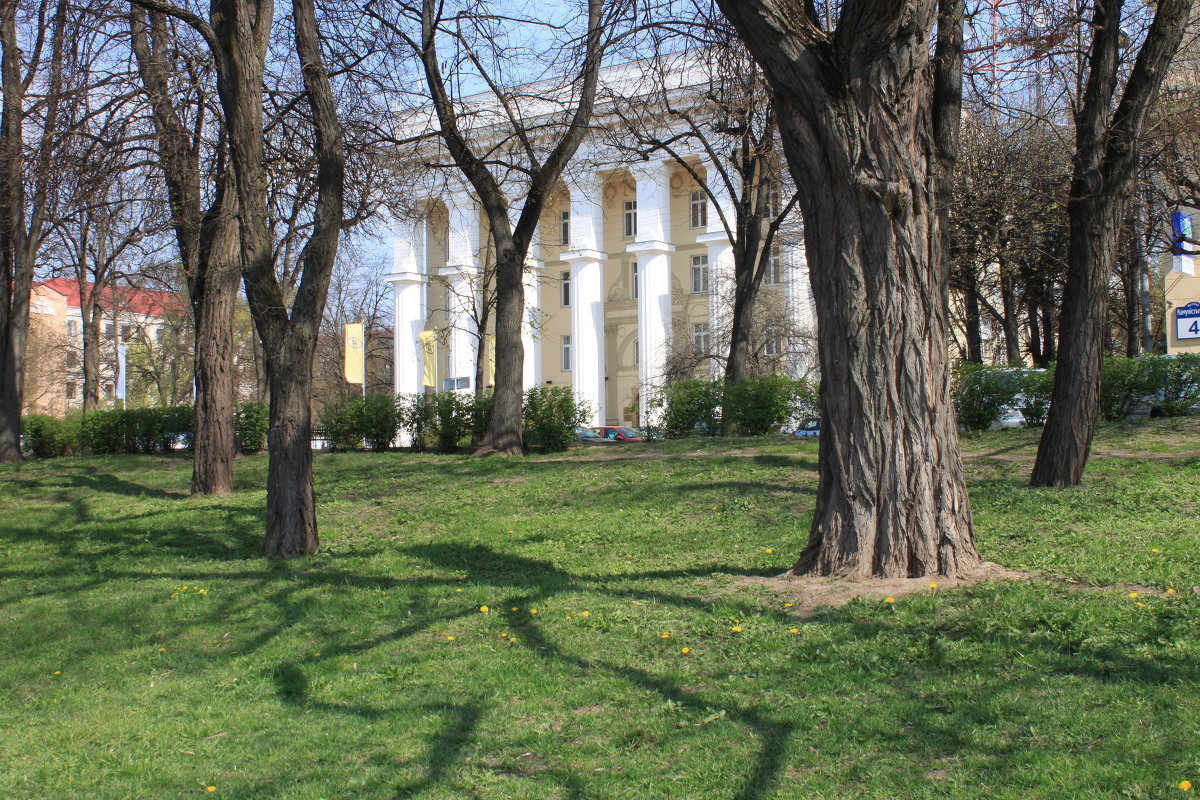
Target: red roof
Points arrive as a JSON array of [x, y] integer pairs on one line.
[[144, 302]]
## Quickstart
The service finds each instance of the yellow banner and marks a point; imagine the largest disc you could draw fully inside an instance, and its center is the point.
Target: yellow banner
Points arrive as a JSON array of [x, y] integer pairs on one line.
[[355, 353], [429, 346], [491, 345]]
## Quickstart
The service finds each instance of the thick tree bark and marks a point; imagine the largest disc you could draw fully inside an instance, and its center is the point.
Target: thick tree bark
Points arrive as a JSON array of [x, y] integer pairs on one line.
[[504, 434], [870, 148], [1106, 156], [1011, 308], [291, 502], [973, 321]]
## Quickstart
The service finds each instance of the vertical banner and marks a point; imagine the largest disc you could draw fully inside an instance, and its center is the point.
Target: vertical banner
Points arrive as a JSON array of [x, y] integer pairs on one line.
[[355, 352], [429, 348], [491, 346], [120, 372]]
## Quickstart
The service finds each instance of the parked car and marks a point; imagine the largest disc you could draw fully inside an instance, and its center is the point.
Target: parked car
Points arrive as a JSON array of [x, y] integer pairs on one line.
[[618, 433], [589, 436], [648, 433], [809, 427], [1009, 418]]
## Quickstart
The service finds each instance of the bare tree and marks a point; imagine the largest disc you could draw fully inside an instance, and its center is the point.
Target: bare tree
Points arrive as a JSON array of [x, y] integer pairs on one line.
[[1108, 127], [238, 35], [26, 181], [733, 133], [514, 158], [204, 220]]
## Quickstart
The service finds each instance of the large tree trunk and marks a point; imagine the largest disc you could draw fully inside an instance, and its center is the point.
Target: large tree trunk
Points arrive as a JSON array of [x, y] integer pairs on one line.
[[291, 502], [504, 433], [1106, 155], [870, 140], [16, 272], [1012, 321], [737, 364], [214, 299]]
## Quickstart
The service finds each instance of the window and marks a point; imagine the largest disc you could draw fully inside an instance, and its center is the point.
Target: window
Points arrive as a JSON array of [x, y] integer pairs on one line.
[[566, 354], [72, 328], [126, 333], [70, 390], [700, 338], [773, 207], [630, 219], [158, 333], [72, 359], [637, 352], [772, 346], [699, 207], [566, 289], [774, 267], [564, 228], [635, 280], [699, 274], [109, 330]]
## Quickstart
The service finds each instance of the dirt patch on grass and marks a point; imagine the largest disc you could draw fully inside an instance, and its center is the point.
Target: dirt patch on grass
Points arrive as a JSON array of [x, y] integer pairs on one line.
[[807, 594]]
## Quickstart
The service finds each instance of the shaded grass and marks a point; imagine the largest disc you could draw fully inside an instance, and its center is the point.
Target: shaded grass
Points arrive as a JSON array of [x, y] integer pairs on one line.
[[187, 661]]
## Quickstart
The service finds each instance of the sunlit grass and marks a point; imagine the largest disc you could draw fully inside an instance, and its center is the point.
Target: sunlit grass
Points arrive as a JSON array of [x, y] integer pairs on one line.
[[151, 653]]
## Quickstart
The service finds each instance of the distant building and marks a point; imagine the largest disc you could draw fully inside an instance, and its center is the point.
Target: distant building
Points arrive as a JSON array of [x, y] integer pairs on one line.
[[54, 362]]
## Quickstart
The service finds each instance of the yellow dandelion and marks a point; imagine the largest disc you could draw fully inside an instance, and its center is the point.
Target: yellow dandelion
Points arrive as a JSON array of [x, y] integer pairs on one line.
[[788, 605], [514, 608], [510, 531], [737, 628], [204, 591], [458, 590], [1170, 591], [686, 650], [1133, 594], [1185, 786], [568, 616], [933, 586], [211, 789], [533, 611], [585, 613], [449, 638], [1153, 549], [1020, 565], [665, 635], [316, 655], [58, 672], [162, 649], [483, 609], [504, 635], [1141, 605], [770, 550], [889, 599], [794, 630]]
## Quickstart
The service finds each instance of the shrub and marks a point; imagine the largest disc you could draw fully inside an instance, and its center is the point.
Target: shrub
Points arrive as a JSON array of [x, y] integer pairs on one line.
[[104, 432], [379, 420], [1036, 387], [1124, 384], [250, 423], [48, 437], [451, 420], [340, 419], [981, 392], [1176, 382], [552, 415], [179, 427], [757, 406], [416, 419], [692, 406], [481, 415]]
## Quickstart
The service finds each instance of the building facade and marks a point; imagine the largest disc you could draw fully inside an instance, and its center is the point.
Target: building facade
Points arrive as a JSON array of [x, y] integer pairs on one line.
[[628, 286]]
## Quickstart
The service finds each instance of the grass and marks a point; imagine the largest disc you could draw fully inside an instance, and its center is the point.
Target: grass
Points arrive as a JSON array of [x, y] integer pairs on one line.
[[150, 653]]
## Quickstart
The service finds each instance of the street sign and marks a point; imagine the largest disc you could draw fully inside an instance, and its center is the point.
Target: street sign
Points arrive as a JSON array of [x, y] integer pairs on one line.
[[1187, 321]]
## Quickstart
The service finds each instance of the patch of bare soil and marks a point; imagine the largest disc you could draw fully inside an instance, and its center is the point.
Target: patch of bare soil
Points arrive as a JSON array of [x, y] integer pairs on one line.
[[810, 593]]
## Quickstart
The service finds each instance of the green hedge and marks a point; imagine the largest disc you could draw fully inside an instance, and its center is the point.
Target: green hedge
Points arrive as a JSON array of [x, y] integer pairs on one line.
[[352, 420], [47, 437], [250, 424], [443, 421], [551, 417], [752, 407]]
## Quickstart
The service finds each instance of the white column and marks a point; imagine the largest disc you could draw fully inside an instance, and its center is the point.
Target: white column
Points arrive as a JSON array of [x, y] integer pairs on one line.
[[799, 307], [531, 334], [587, 295], [408, 287], [461, 274], [721, 278], [653, 253]]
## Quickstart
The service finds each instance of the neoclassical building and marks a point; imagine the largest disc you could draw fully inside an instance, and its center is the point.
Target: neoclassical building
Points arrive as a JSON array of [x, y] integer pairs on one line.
[[627, 285]]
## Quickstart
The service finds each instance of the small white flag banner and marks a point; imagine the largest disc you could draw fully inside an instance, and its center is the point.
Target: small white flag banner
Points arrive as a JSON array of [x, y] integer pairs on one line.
[[120, 372]]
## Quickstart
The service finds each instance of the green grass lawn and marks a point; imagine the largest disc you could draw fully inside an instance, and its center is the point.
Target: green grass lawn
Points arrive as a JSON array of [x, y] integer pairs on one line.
[[148, 652]]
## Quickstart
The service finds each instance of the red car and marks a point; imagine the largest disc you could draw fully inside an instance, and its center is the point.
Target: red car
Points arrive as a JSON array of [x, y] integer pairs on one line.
[[618, 433]]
